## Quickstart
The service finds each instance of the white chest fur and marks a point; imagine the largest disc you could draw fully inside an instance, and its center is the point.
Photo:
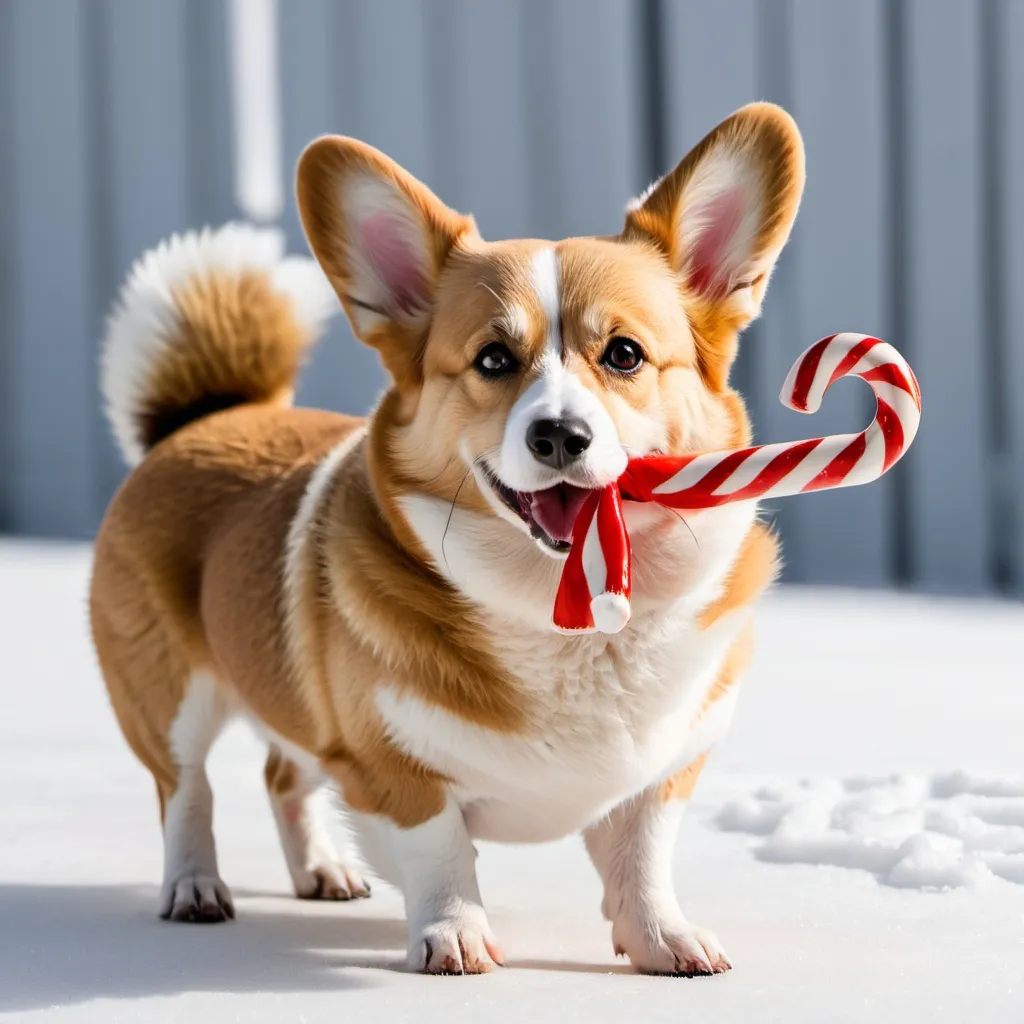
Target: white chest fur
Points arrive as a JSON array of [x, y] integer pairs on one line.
[[609, 715]]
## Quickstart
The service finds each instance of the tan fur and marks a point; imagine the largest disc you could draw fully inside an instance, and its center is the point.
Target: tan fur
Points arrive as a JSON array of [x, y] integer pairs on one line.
[[280, 774], [681, 785], [238, 341], [190, 559], [755, 568], [169, 546]]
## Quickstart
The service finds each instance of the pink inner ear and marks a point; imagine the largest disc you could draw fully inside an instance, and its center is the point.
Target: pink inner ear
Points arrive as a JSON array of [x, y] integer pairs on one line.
[[396, 253], [710, 262]]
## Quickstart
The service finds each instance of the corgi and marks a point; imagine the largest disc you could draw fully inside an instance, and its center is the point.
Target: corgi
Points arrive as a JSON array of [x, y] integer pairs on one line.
[[376, 594]]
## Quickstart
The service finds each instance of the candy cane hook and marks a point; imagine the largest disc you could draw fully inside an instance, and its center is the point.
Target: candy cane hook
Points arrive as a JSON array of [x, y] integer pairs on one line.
[[594, 590]]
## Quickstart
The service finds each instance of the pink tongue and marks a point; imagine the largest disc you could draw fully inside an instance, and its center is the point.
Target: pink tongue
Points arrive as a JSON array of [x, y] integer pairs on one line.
[[555, 509]]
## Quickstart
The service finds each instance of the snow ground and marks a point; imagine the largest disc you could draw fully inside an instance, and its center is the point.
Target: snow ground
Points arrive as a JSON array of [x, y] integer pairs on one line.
[[850, 780]]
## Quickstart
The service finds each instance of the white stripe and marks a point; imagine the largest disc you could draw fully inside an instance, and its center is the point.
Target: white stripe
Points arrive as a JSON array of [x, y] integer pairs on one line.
[[882, 355], [834, 352], [595, 568], [545, 283], [907, 411], [869, 466], [315, 489], [692, 473], [295, 559], [745, 472], [797, 479]]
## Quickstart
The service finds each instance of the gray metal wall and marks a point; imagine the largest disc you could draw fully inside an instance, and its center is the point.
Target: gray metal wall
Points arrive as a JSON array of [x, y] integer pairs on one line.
[[542, 117]]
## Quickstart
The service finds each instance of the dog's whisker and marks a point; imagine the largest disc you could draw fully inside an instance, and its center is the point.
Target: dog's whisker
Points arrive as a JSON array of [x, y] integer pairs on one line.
[[451, 510], [682, 519]]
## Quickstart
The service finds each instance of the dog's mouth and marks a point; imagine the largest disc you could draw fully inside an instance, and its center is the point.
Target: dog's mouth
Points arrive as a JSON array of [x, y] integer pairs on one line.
[[550, 513]]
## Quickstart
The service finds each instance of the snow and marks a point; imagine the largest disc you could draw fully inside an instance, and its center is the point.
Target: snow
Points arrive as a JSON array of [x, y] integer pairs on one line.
[[910, 831], [857, 843]]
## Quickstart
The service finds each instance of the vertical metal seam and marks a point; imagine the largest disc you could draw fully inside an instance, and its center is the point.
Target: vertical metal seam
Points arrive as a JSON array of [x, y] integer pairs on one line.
[[993, 273], [896, 87], [653, 88]]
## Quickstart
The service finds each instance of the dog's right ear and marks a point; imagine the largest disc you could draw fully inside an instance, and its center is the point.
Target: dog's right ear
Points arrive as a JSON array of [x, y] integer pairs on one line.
[[382, 238]]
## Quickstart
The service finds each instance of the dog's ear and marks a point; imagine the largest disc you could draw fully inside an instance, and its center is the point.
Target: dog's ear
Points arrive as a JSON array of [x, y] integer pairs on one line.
[[721, 218], [382, 238]]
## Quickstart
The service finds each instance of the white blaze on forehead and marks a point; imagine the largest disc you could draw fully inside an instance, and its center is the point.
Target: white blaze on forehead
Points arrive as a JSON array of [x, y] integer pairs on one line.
[[556, 393], [544, 271]]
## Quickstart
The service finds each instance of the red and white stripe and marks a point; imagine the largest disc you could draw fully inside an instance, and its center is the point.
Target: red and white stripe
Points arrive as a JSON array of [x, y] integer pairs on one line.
[[594, 590], [593, 593]]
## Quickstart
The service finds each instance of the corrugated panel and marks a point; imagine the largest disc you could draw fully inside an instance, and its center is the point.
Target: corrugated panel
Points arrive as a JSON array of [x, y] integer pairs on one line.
[[342, 373], [709, 68], [144, 145], [542, 118], [211, 186], [585, 86], [841, 261], [948, 468], [383, 102], [479, 127], [7, 257], [50, 405], [772, 343], [1007, 128]]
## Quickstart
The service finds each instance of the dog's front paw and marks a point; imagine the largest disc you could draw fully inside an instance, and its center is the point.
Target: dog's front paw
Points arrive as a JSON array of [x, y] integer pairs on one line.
[[459, 943], [669, 947], [329, 879], [196, 899]]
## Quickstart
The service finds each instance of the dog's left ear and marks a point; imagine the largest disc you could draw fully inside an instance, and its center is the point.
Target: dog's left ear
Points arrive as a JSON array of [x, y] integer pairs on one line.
[[721, 218]]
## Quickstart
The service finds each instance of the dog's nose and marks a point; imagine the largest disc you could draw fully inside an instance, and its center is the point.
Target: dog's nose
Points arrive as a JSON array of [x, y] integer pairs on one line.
[[558, 443]]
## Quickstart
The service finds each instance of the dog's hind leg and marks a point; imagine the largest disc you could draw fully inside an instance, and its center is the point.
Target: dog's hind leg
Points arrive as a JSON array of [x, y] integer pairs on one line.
[[318, 871], [192, 889], [170, 716]]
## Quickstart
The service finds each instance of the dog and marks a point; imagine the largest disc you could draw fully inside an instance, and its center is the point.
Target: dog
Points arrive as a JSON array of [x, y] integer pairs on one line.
[[376, 594]]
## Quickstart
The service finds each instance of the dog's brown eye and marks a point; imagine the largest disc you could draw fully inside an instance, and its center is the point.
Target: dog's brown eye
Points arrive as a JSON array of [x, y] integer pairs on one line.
[[623, 356], [495, 360]]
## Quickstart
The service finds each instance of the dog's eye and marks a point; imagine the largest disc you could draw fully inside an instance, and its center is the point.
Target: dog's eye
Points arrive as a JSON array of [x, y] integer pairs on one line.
[[495, 360], [623, 356]]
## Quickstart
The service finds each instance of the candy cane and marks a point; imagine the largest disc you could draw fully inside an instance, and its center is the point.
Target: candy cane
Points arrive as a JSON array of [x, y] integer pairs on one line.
[[594, 590]]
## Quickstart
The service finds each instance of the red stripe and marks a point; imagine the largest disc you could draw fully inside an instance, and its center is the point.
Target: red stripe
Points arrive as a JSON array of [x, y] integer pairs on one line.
[[890, 373], [643, 474], [652, 471], [892, 431], [572, 601], [917, 386], [611, 531], [838, 469], [808, 369], [700, 496], [852, 358]]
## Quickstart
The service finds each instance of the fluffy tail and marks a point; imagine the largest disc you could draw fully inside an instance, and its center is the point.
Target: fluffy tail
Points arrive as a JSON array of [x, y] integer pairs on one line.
[[204, 322]]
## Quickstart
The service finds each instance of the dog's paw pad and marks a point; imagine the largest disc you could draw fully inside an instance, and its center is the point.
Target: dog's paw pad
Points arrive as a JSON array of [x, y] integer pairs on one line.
[[679, 949], [455, 945], [197, 899], [331, 880]]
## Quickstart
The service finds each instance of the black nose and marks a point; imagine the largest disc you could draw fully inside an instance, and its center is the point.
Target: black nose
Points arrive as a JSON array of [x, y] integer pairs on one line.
[[558, 443]]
